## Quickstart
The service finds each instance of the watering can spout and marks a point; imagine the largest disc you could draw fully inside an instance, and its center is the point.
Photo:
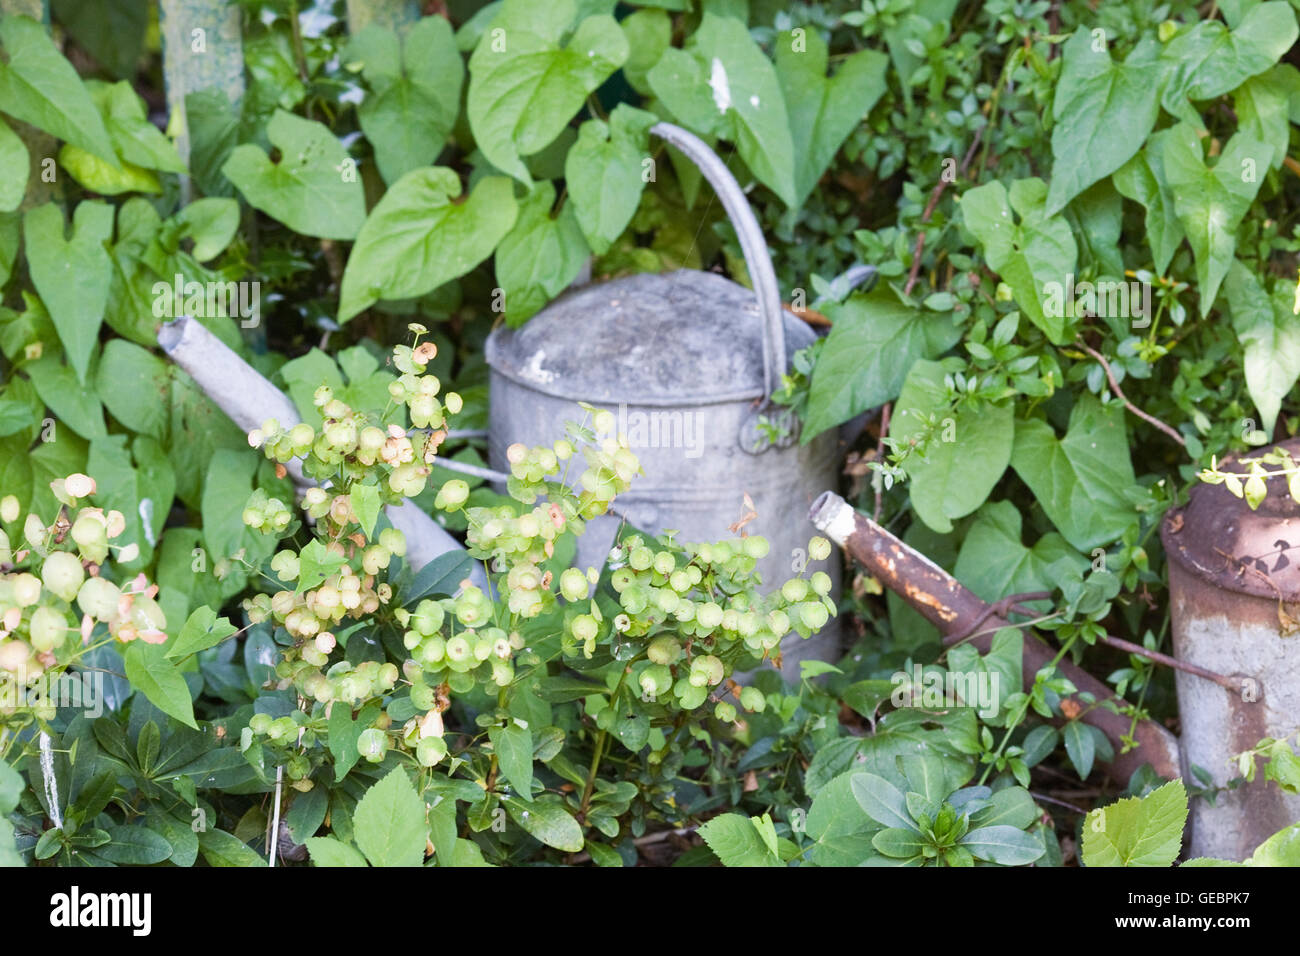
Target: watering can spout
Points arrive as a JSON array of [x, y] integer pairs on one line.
[[249, 399]]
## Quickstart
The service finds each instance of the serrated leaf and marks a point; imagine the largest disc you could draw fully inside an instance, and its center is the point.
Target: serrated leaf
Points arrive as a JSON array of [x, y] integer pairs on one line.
[[327, 851], [734, 840], [1146, 831], [389, 822]]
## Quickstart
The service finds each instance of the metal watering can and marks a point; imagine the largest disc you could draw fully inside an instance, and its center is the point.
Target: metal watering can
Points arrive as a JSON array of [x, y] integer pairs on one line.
[[687, 362]]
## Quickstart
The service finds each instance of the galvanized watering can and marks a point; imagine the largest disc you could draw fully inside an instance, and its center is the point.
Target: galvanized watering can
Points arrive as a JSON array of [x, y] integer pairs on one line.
[[687, 362]]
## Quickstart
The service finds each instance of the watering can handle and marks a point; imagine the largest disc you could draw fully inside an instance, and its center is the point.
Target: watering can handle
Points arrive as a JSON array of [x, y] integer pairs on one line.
[[752, 244]]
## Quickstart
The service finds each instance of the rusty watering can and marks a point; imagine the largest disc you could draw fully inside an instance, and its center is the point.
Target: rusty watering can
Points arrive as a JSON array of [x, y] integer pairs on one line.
[[687, 362]]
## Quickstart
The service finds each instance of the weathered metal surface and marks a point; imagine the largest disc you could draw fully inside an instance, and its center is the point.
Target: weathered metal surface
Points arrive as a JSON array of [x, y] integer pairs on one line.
[[682, 409], [1233, 574], [687, 362], [953, 609]]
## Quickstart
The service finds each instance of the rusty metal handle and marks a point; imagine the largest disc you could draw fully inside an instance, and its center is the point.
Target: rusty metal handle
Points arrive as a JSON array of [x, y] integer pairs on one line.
[[752, 244]]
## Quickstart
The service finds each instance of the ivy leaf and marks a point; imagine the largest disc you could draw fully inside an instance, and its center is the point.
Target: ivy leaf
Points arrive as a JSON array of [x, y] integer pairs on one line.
[[416, 238], [525, 86], [823, 112], [1037, 250], [389, 822], [39, 86], [547, 821], [1081, 479], [513, 746], [1270, 340], [875, 338], [135, 139], [964, 453], [736, 842], [211, 223], [1142, 179], [748, 108], [71, 275], [1146, 831], [15, 166], [1212, 202], [1103, 112], [415, 87], [605, 175], [314, 188], [995, 563], [152, 674], [203, 630], [540, 256], [1209, 59]]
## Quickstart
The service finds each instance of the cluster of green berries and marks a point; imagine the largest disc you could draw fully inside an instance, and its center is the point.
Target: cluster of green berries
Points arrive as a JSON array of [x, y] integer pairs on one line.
[[52, 588], [705, 595]]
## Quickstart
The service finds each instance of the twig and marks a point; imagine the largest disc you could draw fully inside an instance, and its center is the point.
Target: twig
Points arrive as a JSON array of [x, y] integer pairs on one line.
[[1060, 803], [1119, 393], [935, 193], [880, 456], [1123, 645]]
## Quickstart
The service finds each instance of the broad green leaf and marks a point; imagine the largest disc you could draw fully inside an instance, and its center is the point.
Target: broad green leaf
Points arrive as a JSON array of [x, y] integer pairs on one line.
[[1029, 254], [605, 175], [73, 405], [226, 488], [547, 821], [315, 564], [71, 275], [14, 170], [1103, 112], [1080, 746], [314, 189], [15, 417], [327, 851], [389, 822], [823, 111], [1142, 179], [1081, 479], [961, 453], [1262, 105], [881, 801], [525, 85], [1281, 849], [136, 140], [1212, 202], [1270, 338], [211, 223], [39, 86], [417, 238], [11, 788], [995, 563], [101, 177], [153, 675], [414, 94], [1209, 60], [113, 33], [135, 387], [540, 256], [203, 630], [898, 843], [366, 504], [1146, 831], [748, 107], [649, 34], [513, 746], [1004, 845], [735, 841], [220, 848], [875, 338], [1012, 807], [135, 846], [141, 486]]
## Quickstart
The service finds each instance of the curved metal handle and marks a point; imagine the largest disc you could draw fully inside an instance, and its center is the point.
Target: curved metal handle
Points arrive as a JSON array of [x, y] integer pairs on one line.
[[752, 244]]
